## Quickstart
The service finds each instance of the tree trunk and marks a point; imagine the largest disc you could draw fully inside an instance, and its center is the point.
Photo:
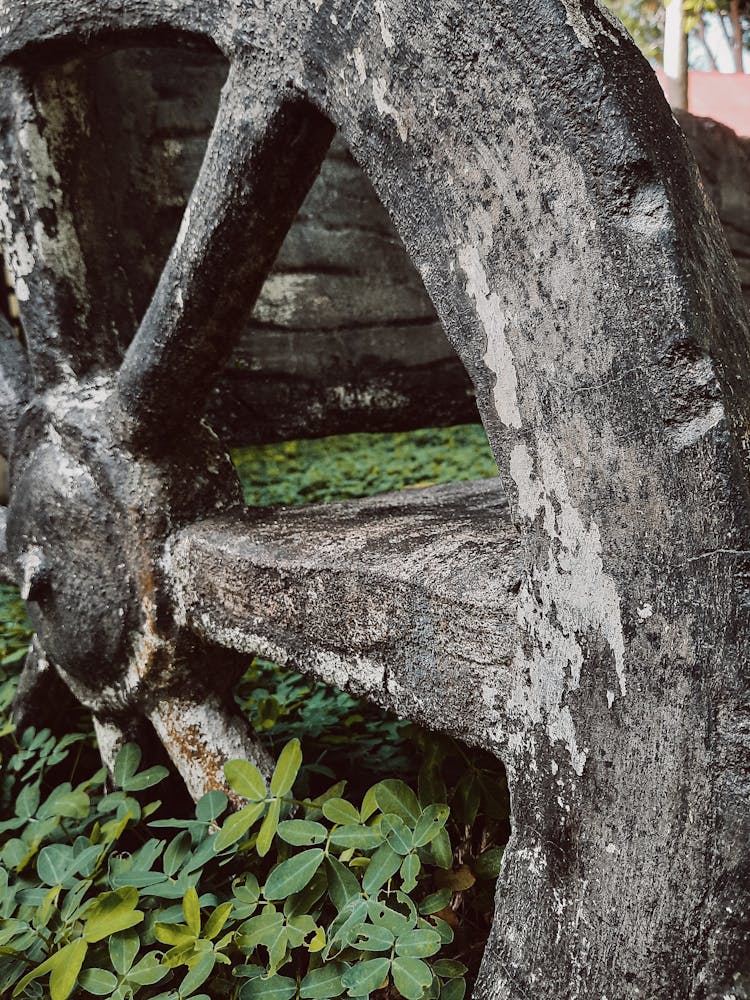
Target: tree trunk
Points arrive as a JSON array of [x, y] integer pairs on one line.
[[706, 47], [734, 16], [675, 54]]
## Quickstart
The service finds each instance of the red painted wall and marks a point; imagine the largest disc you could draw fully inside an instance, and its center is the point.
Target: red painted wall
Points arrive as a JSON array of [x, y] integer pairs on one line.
[[725, 97]]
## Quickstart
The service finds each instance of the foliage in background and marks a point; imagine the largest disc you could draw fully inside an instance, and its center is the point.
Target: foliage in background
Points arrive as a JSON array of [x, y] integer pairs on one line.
[[14, 641], [100, 895], [644, 19], [358, 465]]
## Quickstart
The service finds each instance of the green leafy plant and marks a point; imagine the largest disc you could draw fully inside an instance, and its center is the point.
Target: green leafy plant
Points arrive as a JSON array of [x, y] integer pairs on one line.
[[287, 898]]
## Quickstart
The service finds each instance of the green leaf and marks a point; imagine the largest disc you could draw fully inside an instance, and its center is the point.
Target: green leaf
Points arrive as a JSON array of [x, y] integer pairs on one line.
[[433, 990], [181, 954], [245, 779], [431, 785], [293, 875], [340, 811], [176, 853], [454, 990], [147, 971], [15, 657], [27, 801], [397, 833], [127, 761], [430, 823], [298, 928], [60, 965], [215, 923], [444, 929], [236, 826], [275, 988], [211, 806], [369, 804], [313, 808], [488, 864], [123, 948], [447, 968], [467, 798], [256, 929], [394, 796], [440, 848], [383, 916], [268, 828], [246, 895], [361, 838], [112, 912], [418, 944], [173, 934], [55, 863], [248, 971], [345, 926], [65, 967], [191, 907], [410, 868], [304, 901], [277, 949], [198, 974], [384, 864], [287, 768], [411, 977], [323, 983], [435, 902], [146, 779], [343, 886], [364, 978], [373, 938], [46, 908], [100, 982], [302, 832], [36, 973]]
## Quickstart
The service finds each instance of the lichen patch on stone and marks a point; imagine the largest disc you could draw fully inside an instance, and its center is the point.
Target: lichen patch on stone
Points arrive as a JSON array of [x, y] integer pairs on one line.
[[495, 321], [561, 604]]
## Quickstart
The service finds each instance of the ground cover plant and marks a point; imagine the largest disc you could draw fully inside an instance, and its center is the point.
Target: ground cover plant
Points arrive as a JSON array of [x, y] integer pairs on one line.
[[365, 867]]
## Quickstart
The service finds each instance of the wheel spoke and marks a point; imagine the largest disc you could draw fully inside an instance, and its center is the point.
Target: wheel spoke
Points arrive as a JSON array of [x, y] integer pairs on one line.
[[263, 155], [42, 699], [200, 736], [406, 599], [59, 228]]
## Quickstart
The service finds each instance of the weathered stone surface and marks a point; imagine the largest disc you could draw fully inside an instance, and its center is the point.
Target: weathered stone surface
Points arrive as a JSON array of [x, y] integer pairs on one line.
[[556, 218], [408, 599], [343, 335]]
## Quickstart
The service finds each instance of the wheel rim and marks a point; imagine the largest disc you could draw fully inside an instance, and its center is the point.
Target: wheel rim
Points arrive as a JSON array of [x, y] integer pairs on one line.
[[563, 237]]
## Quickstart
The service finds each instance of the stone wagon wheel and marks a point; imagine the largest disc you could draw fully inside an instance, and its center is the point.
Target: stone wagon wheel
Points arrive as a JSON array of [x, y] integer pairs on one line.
[[595, 638]]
